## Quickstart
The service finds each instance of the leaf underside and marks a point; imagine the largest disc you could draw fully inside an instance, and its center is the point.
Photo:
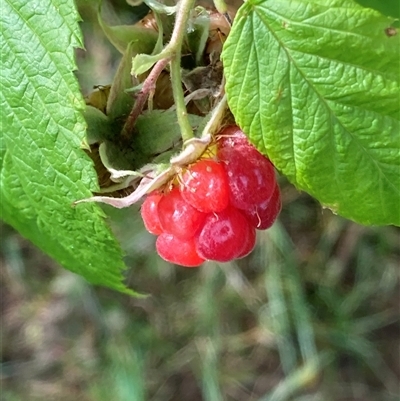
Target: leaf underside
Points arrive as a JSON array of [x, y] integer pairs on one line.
[[44, 168], [315, 85]]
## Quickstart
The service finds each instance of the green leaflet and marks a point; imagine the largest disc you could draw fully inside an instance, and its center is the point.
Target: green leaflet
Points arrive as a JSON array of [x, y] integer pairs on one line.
[[44, 170], [315, 85], [122, 35], [119, 102], [99, 126], [158, 131]]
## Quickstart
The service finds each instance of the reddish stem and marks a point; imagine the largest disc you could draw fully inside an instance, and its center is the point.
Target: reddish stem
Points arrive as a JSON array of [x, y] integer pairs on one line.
[[149, 85]]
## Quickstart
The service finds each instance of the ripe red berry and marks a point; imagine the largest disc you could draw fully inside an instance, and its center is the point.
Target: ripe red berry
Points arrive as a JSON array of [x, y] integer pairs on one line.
[[251, 176], [150, 213], [178, 217], [263, 215], [179, 251], [249, 242], [232, 136], [223, 236], [205, 186], [214, 212]]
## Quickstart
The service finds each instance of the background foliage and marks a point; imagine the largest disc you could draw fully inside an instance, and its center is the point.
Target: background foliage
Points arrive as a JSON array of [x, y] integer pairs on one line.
[[311, 315]]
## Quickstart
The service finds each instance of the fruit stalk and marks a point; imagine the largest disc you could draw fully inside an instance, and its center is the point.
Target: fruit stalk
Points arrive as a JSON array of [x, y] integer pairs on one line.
[[214, 123]]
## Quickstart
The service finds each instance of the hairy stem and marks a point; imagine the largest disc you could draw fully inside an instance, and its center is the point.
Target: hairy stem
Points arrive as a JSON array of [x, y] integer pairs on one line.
[[149, 86], [181, 112], [214, 123], [171, 53], [183, 14]]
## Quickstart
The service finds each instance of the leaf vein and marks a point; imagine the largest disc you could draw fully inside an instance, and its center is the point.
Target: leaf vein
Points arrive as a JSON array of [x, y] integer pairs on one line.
[[329, 110], [39, 37]]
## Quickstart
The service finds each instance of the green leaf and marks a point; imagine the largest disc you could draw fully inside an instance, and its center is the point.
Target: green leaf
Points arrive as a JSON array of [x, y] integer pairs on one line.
[[122, 35], [315, 85], [120, 102], [44, 170], [158, 131], [143, 62], [160, 8], [99, 126], [157, 134], [198, 33]]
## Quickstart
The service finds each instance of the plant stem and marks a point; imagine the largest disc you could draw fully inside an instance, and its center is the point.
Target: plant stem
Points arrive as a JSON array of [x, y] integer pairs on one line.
[[172, 54], [214, 123], [181, 111], [149, 85], [183, 14]]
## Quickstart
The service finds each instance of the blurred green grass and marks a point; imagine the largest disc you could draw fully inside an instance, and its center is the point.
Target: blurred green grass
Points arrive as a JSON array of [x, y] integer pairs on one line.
[[311, 315]]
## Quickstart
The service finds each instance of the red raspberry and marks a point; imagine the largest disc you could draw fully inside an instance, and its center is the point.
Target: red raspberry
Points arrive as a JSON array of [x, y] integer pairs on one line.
[[232, 136], [249, 242], [215, 211], [179, 251], [263, 215], [205, 186], [177, 217], [251, 176], [224, 236], [150, 213]]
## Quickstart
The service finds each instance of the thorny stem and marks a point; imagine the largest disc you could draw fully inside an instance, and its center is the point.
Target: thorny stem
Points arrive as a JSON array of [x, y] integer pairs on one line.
[[171, 53]]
